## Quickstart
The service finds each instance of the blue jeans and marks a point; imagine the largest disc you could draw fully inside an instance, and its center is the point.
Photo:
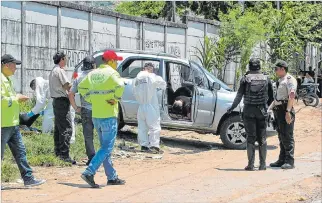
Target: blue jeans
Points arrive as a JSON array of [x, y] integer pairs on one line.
[[12, 136], [107, 130]]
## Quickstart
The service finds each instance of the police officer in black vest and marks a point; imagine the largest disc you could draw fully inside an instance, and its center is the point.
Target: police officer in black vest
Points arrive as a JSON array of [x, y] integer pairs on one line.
[[257, 90]]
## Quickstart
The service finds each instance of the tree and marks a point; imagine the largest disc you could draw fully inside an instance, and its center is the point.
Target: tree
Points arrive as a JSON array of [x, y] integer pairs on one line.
[[149, 9], [240, 32], [290, 29]]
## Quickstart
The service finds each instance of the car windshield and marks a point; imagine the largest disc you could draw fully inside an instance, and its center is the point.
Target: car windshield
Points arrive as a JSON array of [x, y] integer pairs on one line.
[[209, 75]]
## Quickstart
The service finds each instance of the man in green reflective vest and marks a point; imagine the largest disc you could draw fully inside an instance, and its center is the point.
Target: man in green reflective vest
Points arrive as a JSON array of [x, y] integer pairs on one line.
[[103, 88], [10, 120]]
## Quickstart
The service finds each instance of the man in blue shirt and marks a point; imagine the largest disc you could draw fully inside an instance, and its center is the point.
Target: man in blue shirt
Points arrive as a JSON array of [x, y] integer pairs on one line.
[[85, 109]]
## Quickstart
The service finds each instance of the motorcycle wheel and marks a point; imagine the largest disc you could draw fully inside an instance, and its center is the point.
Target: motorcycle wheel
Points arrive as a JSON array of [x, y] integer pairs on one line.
[[311, 100]]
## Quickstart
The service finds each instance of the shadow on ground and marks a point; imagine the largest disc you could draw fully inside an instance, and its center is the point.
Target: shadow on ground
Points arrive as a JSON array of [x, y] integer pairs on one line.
[[79, 185], [191, 146]]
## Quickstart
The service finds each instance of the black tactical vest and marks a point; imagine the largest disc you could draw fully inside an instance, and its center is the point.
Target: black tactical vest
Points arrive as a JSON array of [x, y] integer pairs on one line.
[[256, 89]]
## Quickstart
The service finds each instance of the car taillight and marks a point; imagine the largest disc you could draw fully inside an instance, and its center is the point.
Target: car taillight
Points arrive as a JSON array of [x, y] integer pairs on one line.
[[75, 75]]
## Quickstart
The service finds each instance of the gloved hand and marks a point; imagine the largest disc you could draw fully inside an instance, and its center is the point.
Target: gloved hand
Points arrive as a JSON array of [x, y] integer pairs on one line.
[[42, 113], [229, 110], [30, 114]]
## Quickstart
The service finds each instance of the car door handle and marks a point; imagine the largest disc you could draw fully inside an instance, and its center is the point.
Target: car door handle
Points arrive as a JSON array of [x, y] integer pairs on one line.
[[201, 94]]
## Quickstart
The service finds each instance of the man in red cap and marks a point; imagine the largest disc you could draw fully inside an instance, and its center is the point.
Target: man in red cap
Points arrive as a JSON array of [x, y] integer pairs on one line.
[[103, 88]]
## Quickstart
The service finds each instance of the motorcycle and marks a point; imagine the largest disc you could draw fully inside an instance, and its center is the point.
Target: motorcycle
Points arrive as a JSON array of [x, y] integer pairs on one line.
[[306, 92]]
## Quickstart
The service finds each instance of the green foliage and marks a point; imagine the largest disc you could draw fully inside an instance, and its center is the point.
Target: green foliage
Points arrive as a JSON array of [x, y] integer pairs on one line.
[[206, 54], [9, 171], [149, 9]]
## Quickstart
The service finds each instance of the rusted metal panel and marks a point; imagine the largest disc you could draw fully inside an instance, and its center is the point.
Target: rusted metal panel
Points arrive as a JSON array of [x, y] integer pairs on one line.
[[41, 14], [104, 32], [11, 32], [11, 10], [129, 34], [39, 58], [154, 37], [176, 41], [41, 36]]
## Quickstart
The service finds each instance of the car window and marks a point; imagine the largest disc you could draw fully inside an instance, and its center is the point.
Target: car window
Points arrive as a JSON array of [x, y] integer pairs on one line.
[[199, 78], [132, 67], [178, 74]]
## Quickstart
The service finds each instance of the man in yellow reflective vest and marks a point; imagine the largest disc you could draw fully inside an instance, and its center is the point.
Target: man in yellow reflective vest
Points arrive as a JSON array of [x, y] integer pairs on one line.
[[10, 120], [103, 88]]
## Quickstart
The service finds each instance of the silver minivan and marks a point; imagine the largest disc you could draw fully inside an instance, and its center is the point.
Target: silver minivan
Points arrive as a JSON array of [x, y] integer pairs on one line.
[[210, 96]]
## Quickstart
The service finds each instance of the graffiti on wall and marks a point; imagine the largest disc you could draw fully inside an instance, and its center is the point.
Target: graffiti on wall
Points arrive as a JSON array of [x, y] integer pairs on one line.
[[74, 57], [154, 44], [175, 50]]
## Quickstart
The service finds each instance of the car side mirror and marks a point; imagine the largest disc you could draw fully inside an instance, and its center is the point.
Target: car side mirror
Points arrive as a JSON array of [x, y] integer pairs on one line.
[[216, 86]]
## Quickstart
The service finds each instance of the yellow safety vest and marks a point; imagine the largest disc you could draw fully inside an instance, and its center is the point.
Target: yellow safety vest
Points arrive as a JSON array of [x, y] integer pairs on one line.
[[100, 85], [9, 104]]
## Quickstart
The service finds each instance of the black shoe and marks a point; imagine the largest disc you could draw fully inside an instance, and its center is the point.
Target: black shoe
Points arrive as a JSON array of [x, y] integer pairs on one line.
[[277, 164], [287, 166], [156, 150], [117, 181], [69, 160], [262, 157], [262, 167], [145, 149], [88, 162], [89, 179], [249, 168], [33, 182]]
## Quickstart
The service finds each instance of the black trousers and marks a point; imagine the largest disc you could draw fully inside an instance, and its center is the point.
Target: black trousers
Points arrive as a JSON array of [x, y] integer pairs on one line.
[[255, 124], [63, 126], [285, 134], [88, 131]]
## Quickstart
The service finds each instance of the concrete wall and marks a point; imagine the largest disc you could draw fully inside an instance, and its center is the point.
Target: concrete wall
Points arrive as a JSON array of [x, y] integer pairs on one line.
[[34, 31]]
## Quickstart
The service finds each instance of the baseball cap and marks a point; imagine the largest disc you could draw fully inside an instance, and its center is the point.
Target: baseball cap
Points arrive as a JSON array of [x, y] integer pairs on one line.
[[7, 58], [111, 55], [89, 59], [280, 63]]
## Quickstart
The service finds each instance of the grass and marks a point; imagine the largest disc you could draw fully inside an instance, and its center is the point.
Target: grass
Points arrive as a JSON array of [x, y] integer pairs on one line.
[[40, 149]]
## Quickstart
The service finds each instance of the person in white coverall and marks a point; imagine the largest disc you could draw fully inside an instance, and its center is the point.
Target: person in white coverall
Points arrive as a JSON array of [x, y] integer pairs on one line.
[[145, 87], [44, 105]]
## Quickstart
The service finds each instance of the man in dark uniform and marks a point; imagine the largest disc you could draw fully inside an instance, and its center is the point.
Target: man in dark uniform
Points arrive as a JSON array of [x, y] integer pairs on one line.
[[257, 90], [285, 115]]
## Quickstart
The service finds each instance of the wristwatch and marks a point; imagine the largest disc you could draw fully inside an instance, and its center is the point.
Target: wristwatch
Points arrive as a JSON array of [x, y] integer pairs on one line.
[[287, 110]]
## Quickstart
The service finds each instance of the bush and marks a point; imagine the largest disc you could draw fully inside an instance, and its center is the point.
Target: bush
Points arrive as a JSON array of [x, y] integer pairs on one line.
[[9, 171]]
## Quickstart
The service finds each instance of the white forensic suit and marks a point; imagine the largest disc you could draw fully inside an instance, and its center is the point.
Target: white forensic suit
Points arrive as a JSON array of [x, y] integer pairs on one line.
[[145, 91], [44, 103]]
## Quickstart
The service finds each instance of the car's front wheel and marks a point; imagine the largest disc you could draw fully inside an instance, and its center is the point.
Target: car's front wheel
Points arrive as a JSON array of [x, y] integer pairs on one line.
[[232, 133]]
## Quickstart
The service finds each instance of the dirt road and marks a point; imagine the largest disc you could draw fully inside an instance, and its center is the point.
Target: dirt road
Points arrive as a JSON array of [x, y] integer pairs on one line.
[[190, 174]]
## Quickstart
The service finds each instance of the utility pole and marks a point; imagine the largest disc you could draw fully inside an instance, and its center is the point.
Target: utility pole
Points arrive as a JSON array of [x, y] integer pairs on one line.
[[173, 11], [278, 5]]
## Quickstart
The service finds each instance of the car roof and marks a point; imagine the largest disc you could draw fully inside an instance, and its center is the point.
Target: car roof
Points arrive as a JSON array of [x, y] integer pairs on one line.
[[125, 53]]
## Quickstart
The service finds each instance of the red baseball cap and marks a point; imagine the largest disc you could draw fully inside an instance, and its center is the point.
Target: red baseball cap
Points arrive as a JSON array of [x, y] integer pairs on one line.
[[111, 55]]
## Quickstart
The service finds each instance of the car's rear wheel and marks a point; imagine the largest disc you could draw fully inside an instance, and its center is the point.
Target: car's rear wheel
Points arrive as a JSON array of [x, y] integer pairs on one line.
[[232, 133]]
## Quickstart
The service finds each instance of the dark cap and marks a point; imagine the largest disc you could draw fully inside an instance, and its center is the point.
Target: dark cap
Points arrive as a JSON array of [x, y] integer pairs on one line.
[[7, 58], [280, 63], [58, 56], [89, 59], [111, 55], [88, 63]]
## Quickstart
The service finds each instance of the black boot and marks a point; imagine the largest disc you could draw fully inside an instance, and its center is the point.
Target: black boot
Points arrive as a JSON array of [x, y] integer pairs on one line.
[[251, 157], [262, 157], [277, 163]]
